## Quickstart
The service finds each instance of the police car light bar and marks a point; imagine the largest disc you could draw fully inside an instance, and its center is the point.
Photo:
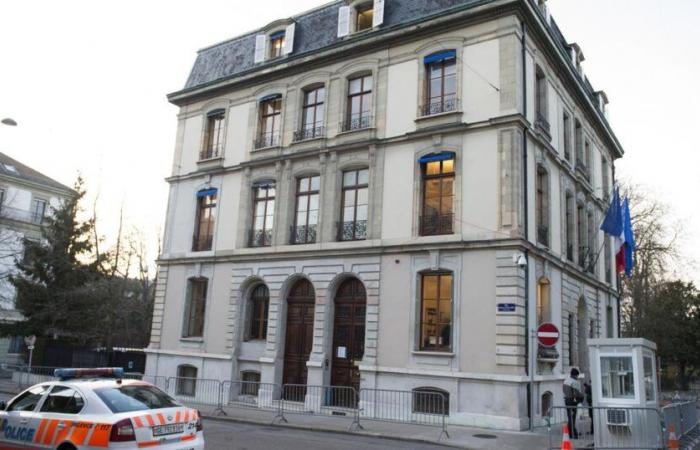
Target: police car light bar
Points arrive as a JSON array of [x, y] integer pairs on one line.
[[105, 372]]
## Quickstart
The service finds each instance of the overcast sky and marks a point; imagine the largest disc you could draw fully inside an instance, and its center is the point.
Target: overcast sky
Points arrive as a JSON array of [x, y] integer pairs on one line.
[[87, 80]]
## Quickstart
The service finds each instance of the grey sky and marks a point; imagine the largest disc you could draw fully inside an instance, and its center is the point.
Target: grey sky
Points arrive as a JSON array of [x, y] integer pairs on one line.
[[87, 80]]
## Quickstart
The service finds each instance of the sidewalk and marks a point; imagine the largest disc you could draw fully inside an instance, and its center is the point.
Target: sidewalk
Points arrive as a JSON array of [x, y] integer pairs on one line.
[[460, 437]]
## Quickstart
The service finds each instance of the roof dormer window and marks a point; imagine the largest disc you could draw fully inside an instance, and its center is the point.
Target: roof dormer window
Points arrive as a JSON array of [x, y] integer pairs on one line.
[[277, 42], [365, 17], [360, 16]]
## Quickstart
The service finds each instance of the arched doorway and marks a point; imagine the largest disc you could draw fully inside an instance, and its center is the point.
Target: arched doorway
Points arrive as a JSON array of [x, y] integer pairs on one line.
[[348, 333], [299, 335]]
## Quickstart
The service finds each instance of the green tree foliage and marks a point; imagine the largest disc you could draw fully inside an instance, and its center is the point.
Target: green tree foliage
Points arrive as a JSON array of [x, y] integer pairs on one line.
[[672, 320], [67, 289]]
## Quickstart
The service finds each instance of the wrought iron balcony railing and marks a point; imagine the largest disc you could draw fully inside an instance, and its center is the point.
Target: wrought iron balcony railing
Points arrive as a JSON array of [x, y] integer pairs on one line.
[[202, 243], [260, 238], [267, 140], [309, 133], [211, 152], [434, 225], [356, 123], [439, 107], [352, 231], [302, 234], [21, 215]]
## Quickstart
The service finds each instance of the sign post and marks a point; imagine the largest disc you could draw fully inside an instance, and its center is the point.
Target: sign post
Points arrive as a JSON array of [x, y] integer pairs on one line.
[[30, 341]]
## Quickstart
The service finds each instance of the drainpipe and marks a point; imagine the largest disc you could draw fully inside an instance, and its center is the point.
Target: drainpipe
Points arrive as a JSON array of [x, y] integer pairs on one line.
[[529, 370]]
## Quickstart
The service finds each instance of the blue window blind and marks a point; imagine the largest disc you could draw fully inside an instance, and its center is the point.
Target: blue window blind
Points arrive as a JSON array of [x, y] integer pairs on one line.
[[277, 35], [450, 54], [436, 157], [216, 112], [206, 193], [267, 98]]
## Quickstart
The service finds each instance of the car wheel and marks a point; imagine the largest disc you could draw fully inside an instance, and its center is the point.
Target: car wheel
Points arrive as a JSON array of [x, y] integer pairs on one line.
[[66, 447]]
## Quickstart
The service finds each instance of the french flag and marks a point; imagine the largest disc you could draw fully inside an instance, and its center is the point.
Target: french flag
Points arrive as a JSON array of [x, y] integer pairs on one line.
[[618, 224]]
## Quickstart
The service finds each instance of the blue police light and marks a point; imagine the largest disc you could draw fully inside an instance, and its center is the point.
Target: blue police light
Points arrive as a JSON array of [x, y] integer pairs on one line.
[[104, 372]]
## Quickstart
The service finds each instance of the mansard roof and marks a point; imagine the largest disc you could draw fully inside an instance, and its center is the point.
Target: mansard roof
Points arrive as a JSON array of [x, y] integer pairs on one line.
[[12, 168], [315, 30]]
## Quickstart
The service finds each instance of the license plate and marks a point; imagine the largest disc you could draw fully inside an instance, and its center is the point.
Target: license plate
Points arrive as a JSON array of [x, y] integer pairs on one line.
[[173, 428]]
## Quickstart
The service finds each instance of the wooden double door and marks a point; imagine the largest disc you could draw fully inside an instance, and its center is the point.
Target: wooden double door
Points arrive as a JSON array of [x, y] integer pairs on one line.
[[299, 338], [348, 335]]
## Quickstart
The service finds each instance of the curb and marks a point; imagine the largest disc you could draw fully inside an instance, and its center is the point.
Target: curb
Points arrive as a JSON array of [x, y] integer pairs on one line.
[[335, 431]]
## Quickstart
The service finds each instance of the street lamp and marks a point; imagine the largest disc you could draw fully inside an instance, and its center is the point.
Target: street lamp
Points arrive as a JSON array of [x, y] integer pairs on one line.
[[9, 122]]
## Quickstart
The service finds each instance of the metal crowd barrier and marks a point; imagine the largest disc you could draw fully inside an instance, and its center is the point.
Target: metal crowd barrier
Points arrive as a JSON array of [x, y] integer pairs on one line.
[[336, 401], [607, 428], [200, 392], [414, 407], [683, 416]]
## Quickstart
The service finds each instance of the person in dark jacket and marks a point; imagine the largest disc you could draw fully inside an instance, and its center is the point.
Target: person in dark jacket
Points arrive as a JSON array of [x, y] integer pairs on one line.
[[572, 397]]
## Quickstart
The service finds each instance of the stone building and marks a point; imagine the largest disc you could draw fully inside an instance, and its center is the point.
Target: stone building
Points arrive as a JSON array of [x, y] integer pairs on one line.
[[26, 198], [390, 194]]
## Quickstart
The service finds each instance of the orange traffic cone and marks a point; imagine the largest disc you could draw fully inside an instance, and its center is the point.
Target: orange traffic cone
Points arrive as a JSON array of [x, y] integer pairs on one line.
[[565, 439], [672, 439]]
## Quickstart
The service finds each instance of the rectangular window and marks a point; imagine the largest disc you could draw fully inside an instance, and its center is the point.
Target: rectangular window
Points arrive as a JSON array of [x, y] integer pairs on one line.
[[436, 312], [277, 42], [580, 225], [609, 321], [206, 220], [250, 383], [38, 211], [312, 115], [543, 303], [365, 17], [307, 206], [649, 391], [617, 376], [186, 381], [259, 310], [437, 215], [569, 226], [567, 136], [578, 144], [270, 123], [592, 245], [263, 215], [587, 158], [608, 260], [355, 205], [572, 344], [359, 114], [605, 178], [214, 141], [441, 86], [541, 112], [194, 310], [542, 206]]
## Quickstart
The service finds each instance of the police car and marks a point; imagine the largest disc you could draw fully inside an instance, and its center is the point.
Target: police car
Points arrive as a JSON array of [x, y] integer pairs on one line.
[[96, 409]]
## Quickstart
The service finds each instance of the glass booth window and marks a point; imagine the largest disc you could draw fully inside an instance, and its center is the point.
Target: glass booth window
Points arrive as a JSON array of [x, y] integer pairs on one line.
[[649, 379], [617, 376]]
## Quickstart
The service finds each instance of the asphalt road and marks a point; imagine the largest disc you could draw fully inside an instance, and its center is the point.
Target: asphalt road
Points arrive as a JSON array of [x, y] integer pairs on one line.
[[224, 435]]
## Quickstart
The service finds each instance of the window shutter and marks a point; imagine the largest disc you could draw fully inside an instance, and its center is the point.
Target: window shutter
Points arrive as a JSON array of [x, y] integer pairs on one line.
[[289, 39], [260, 48], [378, 13], [343, 21]]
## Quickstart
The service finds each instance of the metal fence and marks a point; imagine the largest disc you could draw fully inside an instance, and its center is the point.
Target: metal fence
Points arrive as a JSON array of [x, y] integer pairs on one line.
[[683, 416], [415, 407], [203, 393], [606, 428]]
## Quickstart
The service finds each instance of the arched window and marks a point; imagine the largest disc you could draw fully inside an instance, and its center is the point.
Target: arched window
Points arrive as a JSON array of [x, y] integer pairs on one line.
[[542, 206], [430, 400], [359, 112], [307, 207], [259, 307], [214, 135], [436, 312], [441, 83], [205, 220], [543, 301], [195, 306], [186, 380], [312, 114], [546, 404], [270, 121]]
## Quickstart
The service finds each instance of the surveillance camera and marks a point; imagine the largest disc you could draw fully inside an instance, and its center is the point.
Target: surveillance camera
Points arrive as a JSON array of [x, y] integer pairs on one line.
[[520, 260]]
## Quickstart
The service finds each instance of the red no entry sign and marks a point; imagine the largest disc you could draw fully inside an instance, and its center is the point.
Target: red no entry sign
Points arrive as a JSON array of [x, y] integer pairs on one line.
[[547, 335]]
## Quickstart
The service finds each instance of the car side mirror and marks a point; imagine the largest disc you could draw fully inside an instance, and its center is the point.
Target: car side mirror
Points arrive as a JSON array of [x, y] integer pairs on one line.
[[3, 406]]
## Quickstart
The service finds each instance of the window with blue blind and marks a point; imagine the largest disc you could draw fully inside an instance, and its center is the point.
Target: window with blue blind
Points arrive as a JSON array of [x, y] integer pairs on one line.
[[441, 83]]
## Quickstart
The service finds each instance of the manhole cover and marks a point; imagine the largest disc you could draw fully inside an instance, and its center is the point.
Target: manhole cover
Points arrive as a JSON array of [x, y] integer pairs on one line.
[[485, 436]]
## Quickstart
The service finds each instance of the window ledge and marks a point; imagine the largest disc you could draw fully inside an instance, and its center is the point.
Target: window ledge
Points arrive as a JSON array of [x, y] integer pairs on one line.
[[305, 141], [356, 130], [438, 115], [429, 353], [192, 339], [266, 148], [210, 160]]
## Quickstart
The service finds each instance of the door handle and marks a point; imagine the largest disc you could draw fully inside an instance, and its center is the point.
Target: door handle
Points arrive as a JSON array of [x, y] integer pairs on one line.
[[24, 421], [61, 425]]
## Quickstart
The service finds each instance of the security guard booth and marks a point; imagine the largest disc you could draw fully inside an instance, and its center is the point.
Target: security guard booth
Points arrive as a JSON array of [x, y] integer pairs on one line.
[[625, 393]]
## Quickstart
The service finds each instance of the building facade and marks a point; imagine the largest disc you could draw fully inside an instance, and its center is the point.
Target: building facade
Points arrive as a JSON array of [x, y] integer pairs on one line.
[[390, 194], [26, 198]]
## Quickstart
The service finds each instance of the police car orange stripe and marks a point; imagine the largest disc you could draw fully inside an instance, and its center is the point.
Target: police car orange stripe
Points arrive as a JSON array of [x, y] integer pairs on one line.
[[80, 432], [137, 422], [148, 444], [177, 417], [40, 430], [150, 421], [161, 418], [100, 435], [63, 432], [48, 437]]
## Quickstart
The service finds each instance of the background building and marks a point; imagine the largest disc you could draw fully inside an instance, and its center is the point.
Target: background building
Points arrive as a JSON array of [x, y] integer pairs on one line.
[[390, 194], [26, 198]]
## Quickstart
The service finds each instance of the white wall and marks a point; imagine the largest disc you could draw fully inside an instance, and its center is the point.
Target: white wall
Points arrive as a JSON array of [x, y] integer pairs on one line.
[[401, 108], [481, 69]]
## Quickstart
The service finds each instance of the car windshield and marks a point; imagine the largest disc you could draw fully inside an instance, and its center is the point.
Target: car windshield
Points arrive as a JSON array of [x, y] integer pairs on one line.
[[135, 398]]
